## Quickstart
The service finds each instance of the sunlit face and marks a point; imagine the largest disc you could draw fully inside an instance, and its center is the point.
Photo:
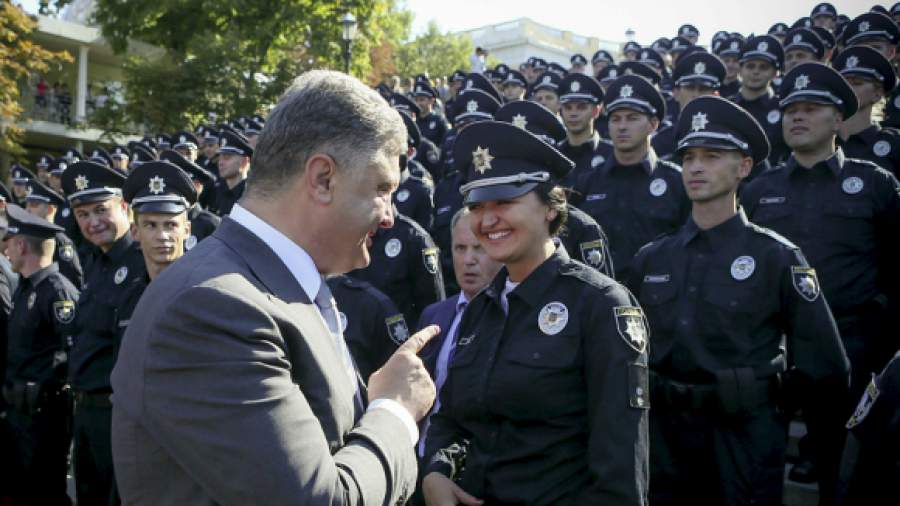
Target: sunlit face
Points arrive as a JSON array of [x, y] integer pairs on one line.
[[210, 149], [55, 183], [795, 57], [189, 153], [732, 67], [808, 126], [711, 174], [513, 92], [868, 91], [472, 266], [14, 248], [425, 104], [629, 129], [121, 163], [548, 99], [512, 231], [756, 74], [361, 205], [20, 190], [161, 236], [578, 116], [41, 209], [232, 165], [103, 223]]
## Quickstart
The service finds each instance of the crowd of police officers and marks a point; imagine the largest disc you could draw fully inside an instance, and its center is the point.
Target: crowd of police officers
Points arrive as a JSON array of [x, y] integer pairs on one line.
[[748, 326]]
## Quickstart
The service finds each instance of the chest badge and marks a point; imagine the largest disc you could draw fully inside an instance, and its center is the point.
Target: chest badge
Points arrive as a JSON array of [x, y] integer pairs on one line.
[[121, 274], [342, 319], [743, 267], [882, 148], [631, 326], [773, 116], [553, 318], [805, 282], [402, 195], [597, 160], [66, 212], [31, 299], [190, 242], [658, 187], [393, 248], [852, 185]]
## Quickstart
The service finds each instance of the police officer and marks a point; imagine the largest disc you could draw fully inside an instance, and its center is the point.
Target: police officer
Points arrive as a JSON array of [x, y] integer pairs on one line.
[[581, 99], [824, 15], [432, 125], [600, 60], [160, 195], [44, 203], [20, 177], [761, 58], [414, 197], [729, 52], [186, 144], [102, 157], [514, 86], [427, 157], [547, 387], [843, 213], [882, 34], [872, 78], [234, 165], [778, 30], [120, 157], [39, 337], [95, 194], [871, 460], [42, 166], [64, 216], [802, 45], [631, 50], [579, 64], [582, 236], [252, 129], [545, 91], [370, 321], [203, 222], [719, 294], [633, 195], [472, 106]]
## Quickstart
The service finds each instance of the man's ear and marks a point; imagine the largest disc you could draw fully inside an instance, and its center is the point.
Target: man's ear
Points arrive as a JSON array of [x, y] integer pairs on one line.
[[319, 177]]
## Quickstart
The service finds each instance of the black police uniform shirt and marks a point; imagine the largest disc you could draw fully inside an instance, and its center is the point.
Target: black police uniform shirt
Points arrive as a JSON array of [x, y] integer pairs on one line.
[[405, 265], [729, 90], [65, 218], [39, 329], [765, 110], [585, 157], [663, 139], [880, 146], [601, 125], [429, 157], [634, 204], [66, 257], [226, 197], [128, 300], [585, 241], [844, 214], [372, 325], [721, 299], [414, 199], [447, 201], [551, 395], [446, 163], [870, 466], [892, 110], [433, 127], [107, 275], [203, 224]]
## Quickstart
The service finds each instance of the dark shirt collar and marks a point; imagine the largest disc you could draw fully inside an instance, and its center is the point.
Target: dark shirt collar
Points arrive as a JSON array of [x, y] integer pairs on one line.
[[765, 96], [720, 236], [38, 276], [532, 287], [648, 163], [867, 135], [118, 249], [835, 163], [588, 144]]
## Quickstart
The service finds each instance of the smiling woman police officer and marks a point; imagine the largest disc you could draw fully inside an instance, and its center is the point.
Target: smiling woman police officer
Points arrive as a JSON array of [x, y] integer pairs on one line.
[[550, 364]]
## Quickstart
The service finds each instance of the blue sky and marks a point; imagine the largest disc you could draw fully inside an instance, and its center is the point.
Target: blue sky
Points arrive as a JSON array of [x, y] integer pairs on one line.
[[609, 19]]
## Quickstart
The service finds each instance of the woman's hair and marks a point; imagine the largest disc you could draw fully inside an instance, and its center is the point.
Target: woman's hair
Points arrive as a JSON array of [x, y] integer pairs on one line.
[[555, 197]]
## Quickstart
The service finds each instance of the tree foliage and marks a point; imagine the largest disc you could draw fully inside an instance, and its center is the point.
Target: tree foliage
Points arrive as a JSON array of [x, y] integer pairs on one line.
[[20, 57], [434, 52]]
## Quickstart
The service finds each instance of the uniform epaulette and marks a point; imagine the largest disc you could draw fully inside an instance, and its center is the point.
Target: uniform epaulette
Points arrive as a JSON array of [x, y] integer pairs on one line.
[[774, 235], [892, 131], [589, 275], [863, 162], [672, 165], [412, 224]]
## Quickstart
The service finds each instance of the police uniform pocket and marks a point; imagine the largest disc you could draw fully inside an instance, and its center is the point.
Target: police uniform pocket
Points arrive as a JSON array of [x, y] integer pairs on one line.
[[853, 210], [545, 352], [727, 315], [774, 209], [845, 220]]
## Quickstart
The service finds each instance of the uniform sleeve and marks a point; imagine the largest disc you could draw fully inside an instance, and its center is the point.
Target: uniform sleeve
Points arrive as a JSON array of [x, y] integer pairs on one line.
[[390, 331], [887, 243], [61, 307], [425, 208], [426, 272], [617, 379], [203, 396]]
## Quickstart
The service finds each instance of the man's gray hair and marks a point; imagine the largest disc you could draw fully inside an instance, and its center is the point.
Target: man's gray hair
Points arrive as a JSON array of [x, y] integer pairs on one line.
[[456, 217], [323, 112]]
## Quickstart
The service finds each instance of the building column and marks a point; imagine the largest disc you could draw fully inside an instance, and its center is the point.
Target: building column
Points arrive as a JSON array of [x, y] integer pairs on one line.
[[81, 85]]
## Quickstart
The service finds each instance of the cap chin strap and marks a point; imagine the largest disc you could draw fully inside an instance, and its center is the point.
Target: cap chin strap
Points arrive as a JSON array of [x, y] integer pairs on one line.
[[520, 178]]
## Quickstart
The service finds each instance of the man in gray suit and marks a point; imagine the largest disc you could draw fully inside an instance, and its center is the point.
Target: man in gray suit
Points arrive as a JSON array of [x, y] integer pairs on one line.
[[233, 384]]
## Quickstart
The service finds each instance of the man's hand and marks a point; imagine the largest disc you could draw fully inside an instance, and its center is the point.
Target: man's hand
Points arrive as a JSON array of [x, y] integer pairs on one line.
[[440, 491], [403, 377]]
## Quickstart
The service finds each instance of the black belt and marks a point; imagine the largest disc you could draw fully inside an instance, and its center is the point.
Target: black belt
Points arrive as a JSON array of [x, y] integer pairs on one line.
[[93, 399], [735, 390]]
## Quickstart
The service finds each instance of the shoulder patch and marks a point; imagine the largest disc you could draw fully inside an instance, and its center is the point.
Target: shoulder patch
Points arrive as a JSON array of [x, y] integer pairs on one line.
[[805, 282], [865, 403], [64, 310], [592, 253], [430, 258], [397, 329], [632, 326]]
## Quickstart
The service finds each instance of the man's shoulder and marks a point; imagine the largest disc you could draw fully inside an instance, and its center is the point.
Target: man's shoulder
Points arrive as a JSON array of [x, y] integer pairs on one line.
[[440, 307]]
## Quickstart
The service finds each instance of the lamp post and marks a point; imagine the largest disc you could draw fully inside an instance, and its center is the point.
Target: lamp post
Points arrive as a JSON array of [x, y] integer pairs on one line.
[[348, 22]]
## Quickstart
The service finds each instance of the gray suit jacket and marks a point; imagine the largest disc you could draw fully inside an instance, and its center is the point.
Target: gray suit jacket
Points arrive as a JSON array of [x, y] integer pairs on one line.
[[228, 390]]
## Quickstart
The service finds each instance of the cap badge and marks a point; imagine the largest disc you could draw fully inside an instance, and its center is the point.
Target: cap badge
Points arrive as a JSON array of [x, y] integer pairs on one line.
[[626, 91], [470, 84], [699, 121], [520, 121], [471, 106], [575, 86], [797, 38], [224, 141], [852, 62], [762, 46], [645, 55], [81, 183], [823, 8], [546, 80], [801, 82], [481, 158], [734, 45], [182, 139], [700, 67], [62, 165], [675, 44], [157, 185], [864, 26], [121, 274]]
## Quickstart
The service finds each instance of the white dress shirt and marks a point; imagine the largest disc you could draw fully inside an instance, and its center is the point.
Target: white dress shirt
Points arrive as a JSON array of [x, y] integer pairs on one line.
[[302, 266]]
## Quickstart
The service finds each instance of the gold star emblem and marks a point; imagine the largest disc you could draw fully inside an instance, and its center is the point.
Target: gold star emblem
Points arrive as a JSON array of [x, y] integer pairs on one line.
[[481, 159], [520, 121], [81, 183], [157, 185]]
